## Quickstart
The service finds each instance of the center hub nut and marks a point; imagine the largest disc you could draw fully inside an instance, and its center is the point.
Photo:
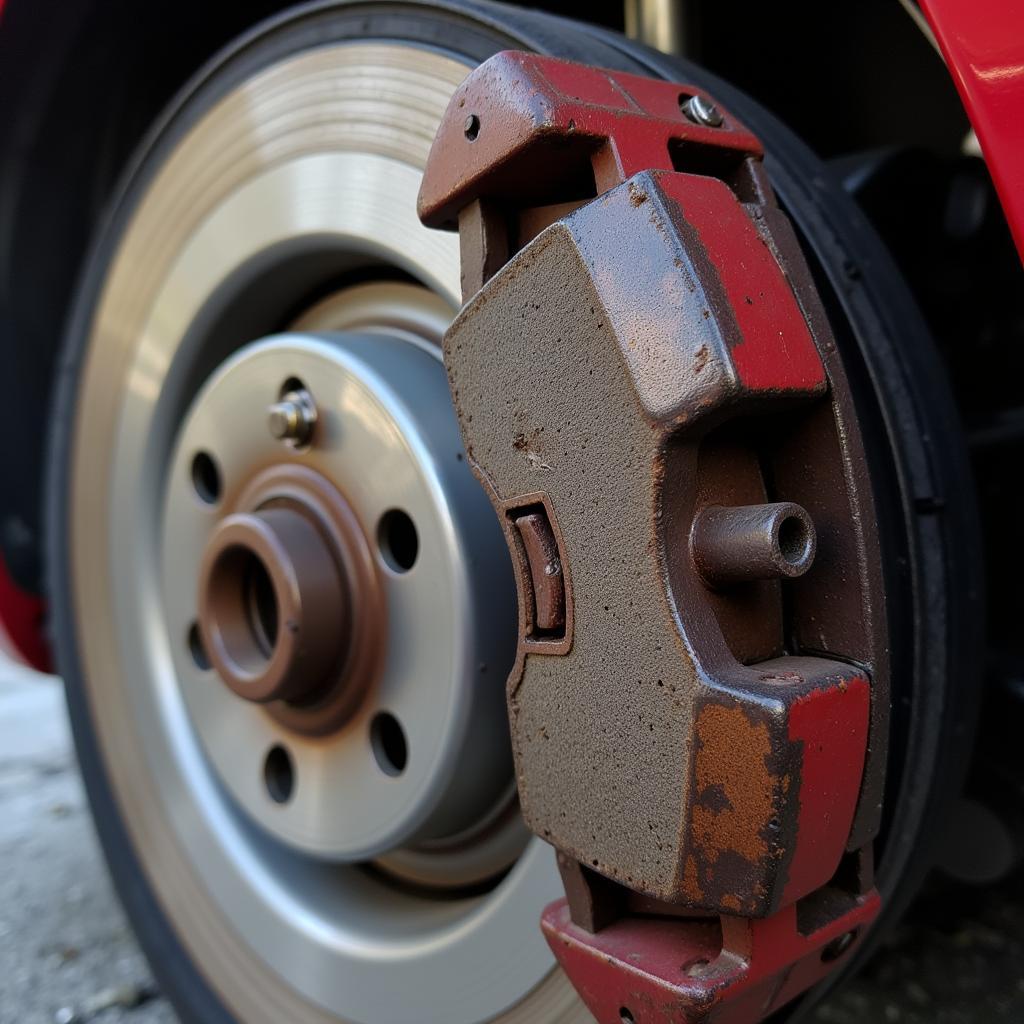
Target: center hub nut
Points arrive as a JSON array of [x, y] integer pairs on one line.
[[274, 607]]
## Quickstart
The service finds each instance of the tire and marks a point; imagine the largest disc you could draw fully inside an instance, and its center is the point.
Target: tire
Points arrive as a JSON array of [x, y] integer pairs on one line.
[[205, 958]]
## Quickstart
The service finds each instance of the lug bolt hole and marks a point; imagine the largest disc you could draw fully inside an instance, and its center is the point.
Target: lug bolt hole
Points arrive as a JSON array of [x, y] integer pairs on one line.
[[279, 774], [471, 129], [206, 477], [196, 647], [398, 541], [625, 1015], [389, 744]]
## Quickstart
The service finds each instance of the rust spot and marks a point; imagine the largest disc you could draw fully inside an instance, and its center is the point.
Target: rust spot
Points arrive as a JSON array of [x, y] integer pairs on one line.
[[691, 879], [637, 196], [701, 358], [736, 799]]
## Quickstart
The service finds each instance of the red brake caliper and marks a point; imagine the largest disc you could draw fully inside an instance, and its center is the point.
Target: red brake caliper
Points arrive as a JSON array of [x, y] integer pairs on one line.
[[648, 388]]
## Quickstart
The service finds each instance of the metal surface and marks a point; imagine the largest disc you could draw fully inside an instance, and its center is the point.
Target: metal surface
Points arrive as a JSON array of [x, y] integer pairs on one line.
[[658, 23], [752, 542], [274, 607], [328, 189], [293, 418], [645, 363], [700, 110], [983, 44], [649, 970], [388, 441]]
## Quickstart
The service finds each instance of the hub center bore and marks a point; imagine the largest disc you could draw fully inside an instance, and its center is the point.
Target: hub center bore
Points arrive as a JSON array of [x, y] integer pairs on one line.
[[274, 606], [291, 610]]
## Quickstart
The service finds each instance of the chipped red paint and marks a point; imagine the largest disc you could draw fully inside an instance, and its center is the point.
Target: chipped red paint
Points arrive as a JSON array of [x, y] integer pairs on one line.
[[21, 618], [777, 352], [677, 971], [832, 726], [536, 113]]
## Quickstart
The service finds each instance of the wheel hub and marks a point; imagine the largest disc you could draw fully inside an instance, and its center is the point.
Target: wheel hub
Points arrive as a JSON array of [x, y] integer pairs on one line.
[[333, 585], [292, 611]]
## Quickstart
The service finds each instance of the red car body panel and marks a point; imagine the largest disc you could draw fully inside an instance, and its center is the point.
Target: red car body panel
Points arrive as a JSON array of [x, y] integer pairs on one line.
[[983, 44], [22, 617]]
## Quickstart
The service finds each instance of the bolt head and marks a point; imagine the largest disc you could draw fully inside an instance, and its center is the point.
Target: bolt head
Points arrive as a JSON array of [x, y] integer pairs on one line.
[[282, 420], [701, 110], [292, 418]]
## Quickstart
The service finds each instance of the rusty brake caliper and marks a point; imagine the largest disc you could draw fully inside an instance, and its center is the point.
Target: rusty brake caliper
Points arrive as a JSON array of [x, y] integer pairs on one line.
[[648, 388]]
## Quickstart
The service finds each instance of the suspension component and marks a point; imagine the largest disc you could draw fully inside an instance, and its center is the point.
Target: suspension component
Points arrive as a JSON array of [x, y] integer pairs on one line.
[[648, 389]]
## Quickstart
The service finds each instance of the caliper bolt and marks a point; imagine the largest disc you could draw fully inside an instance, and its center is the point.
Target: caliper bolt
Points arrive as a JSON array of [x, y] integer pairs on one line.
[[702, 111], [293, 418], [752, 542]]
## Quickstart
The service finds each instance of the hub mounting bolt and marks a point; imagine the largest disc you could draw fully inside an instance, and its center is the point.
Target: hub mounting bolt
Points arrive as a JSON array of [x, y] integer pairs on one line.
[[702, 111], [293, 418]]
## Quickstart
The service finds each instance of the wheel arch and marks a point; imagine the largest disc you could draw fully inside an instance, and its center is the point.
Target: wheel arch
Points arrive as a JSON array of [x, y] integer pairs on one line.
[[79, 92]]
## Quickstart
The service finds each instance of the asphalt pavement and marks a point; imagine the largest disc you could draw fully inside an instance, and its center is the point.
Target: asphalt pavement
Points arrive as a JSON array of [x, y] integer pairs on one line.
[[67, 955], [65, 947]]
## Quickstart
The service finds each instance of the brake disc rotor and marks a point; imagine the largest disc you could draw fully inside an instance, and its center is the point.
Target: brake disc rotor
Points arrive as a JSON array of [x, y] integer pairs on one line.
[[241, 228]]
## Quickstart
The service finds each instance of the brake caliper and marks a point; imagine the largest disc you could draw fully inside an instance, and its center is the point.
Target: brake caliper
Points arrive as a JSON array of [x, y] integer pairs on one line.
[[649, 391]]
